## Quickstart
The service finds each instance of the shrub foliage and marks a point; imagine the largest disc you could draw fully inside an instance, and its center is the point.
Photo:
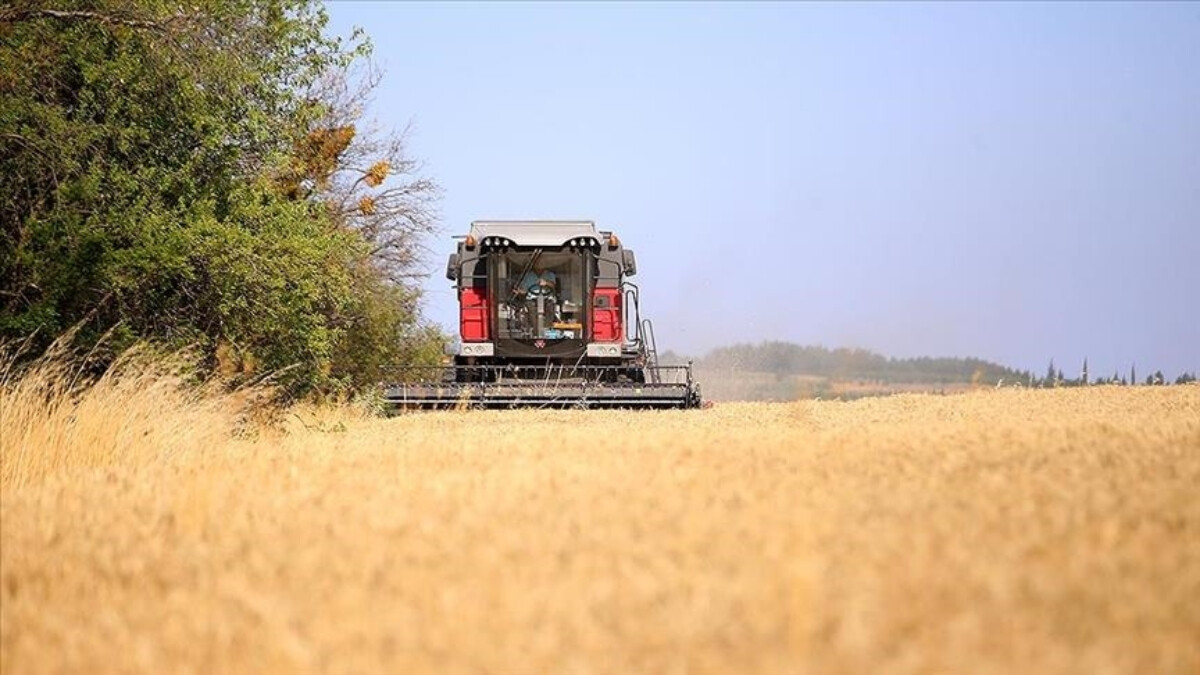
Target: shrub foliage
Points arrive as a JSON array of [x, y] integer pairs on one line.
[[198, 174]]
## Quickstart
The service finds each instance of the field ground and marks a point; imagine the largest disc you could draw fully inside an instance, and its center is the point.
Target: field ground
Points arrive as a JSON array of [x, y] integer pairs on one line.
[[991, 532]]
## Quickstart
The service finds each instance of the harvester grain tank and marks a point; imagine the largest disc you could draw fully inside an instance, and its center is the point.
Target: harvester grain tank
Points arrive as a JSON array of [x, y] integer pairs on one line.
[[547, 317]]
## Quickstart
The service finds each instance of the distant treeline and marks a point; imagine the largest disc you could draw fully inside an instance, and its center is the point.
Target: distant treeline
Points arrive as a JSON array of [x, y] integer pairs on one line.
[[843, 364], [1054, 378], [785, 358]]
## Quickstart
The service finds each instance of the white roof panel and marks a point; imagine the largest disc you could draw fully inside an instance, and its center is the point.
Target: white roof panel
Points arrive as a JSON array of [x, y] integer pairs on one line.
[[534, 232]]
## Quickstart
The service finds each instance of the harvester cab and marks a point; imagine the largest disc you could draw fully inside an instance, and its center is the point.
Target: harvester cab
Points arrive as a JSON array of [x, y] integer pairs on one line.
[[548, 317]]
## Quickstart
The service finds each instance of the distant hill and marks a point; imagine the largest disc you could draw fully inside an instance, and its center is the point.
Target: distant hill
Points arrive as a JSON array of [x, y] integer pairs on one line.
[[784, 371]]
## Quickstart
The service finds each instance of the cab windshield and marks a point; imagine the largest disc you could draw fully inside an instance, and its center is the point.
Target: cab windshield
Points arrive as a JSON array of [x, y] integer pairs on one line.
[[539, 294]]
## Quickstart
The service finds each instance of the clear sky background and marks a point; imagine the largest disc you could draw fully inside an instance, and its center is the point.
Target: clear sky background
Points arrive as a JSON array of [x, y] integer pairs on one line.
[[1017, 182]]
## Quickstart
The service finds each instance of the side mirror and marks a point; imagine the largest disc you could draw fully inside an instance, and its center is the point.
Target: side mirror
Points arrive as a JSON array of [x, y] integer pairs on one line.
[[452, 267], [628, 262]]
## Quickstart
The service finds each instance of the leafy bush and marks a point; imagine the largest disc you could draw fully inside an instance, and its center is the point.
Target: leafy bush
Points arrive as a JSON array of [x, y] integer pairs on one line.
[[182, 174]]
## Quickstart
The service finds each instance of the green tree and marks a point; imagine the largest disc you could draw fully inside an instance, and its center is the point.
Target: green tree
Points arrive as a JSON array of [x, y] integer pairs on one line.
[[191, 174]]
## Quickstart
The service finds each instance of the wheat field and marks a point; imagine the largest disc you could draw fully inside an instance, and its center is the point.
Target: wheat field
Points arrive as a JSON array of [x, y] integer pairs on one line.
[[150, 529]]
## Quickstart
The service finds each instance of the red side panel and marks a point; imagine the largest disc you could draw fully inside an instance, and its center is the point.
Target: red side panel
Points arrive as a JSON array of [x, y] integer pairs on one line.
[[473, 318], [606, 315]]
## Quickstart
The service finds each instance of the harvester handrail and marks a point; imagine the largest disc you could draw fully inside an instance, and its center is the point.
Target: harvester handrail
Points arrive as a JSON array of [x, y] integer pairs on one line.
[[651, 350], [631, 300]]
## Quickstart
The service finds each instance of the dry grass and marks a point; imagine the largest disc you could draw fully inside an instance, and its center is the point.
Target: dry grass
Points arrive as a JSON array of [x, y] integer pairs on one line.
[[1008, 531]]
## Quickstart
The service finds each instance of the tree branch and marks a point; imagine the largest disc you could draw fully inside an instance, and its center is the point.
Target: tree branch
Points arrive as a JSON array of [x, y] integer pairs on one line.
[[18, 14]]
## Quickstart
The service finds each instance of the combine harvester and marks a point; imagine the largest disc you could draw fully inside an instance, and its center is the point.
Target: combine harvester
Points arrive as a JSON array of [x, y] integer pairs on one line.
[[547, 318]]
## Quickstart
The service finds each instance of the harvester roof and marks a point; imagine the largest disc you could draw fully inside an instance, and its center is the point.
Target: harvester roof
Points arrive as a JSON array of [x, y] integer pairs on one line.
[[552, 233]]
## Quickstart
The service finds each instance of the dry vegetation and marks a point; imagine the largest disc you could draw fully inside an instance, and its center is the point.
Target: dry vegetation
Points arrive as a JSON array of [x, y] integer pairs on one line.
[[1000, 531]]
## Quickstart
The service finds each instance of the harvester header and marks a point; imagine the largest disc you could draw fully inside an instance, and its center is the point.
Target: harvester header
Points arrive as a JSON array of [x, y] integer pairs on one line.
[[547, 317]]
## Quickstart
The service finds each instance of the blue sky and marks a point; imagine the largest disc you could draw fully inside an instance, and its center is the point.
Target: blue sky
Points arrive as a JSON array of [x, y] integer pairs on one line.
[[1017, 182]]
